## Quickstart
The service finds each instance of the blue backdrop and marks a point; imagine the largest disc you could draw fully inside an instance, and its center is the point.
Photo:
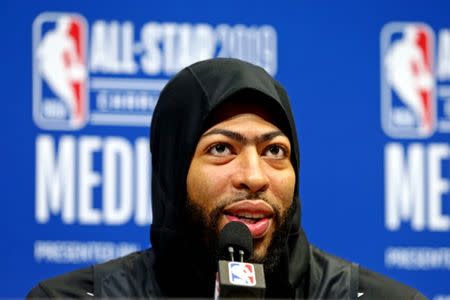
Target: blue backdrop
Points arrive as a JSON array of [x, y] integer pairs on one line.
[[370, 87]]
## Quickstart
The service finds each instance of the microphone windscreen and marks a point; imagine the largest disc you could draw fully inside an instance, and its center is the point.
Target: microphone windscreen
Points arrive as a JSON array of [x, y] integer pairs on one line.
[[238, 236]]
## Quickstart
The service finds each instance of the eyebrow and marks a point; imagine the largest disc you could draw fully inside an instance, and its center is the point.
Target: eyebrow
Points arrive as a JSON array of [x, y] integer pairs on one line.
[[242, 139]]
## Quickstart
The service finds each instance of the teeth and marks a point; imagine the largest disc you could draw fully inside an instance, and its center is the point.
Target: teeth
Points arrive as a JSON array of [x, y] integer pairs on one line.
[[250, 216]]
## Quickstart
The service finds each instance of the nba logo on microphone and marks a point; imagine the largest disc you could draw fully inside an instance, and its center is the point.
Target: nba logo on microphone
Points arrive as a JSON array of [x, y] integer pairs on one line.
[[60, 74], [408, 98], [242, 273]]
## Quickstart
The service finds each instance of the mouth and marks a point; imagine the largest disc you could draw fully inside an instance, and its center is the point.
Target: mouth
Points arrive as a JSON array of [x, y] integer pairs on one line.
[[257, 215]]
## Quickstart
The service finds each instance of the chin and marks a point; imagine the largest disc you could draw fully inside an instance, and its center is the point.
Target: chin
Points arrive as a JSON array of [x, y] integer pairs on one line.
[[260, 248]]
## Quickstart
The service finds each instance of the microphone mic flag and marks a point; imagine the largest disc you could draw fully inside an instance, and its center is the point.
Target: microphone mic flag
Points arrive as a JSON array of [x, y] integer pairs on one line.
[[236, 278]]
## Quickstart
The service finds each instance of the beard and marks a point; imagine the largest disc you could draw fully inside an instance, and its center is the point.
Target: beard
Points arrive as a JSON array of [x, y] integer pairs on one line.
[[202, 229]]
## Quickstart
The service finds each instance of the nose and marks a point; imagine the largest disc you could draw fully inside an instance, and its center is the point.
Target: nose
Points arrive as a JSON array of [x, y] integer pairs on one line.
[[250, 174]]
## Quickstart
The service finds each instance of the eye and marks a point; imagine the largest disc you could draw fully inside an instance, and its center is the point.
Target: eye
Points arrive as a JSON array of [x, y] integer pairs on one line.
[[275, 151], [219, 149]]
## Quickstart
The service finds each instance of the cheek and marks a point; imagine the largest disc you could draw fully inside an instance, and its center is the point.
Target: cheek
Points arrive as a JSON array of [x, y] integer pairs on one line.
[[206, 185], [283, 187]]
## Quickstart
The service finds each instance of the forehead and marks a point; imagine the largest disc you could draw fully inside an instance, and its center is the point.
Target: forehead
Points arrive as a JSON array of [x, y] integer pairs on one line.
[[242, 107], [246, 125]]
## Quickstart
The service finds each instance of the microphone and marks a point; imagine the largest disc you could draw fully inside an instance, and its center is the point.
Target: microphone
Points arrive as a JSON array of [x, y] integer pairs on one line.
[[236, 278]]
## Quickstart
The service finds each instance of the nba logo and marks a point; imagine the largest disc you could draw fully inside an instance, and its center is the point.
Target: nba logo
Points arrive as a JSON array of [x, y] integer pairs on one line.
[[242, 273], [408, 98], [59, 71]]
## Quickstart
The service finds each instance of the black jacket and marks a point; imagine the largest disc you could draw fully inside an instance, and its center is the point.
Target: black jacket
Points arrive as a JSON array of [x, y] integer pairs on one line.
[[133, 276], [177, 266]]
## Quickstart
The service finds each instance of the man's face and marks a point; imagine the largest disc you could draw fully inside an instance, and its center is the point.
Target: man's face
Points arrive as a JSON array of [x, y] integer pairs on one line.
[[241, 171]]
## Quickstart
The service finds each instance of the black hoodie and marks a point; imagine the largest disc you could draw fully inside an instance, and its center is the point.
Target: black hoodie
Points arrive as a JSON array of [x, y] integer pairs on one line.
[[180, 118], [176, 266]]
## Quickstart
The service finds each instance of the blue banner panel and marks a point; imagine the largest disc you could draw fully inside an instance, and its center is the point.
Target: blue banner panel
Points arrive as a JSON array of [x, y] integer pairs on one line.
[[370, 88]]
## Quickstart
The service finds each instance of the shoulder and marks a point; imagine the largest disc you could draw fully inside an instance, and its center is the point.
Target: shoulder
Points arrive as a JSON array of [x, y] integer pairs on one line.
[[70, 285], [131, 276], [89, 281], [378, 286], [331, 273]]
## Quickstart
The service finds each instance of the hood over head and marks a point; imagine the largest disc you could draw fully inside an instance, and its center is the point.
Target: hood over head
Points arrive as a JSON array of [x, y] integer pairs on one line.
[[180, 118]]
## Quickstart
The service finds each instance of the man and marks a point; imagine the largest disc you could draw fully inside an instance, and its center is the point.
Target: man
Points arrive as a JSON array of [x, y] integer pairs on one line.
[[224, 148]]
